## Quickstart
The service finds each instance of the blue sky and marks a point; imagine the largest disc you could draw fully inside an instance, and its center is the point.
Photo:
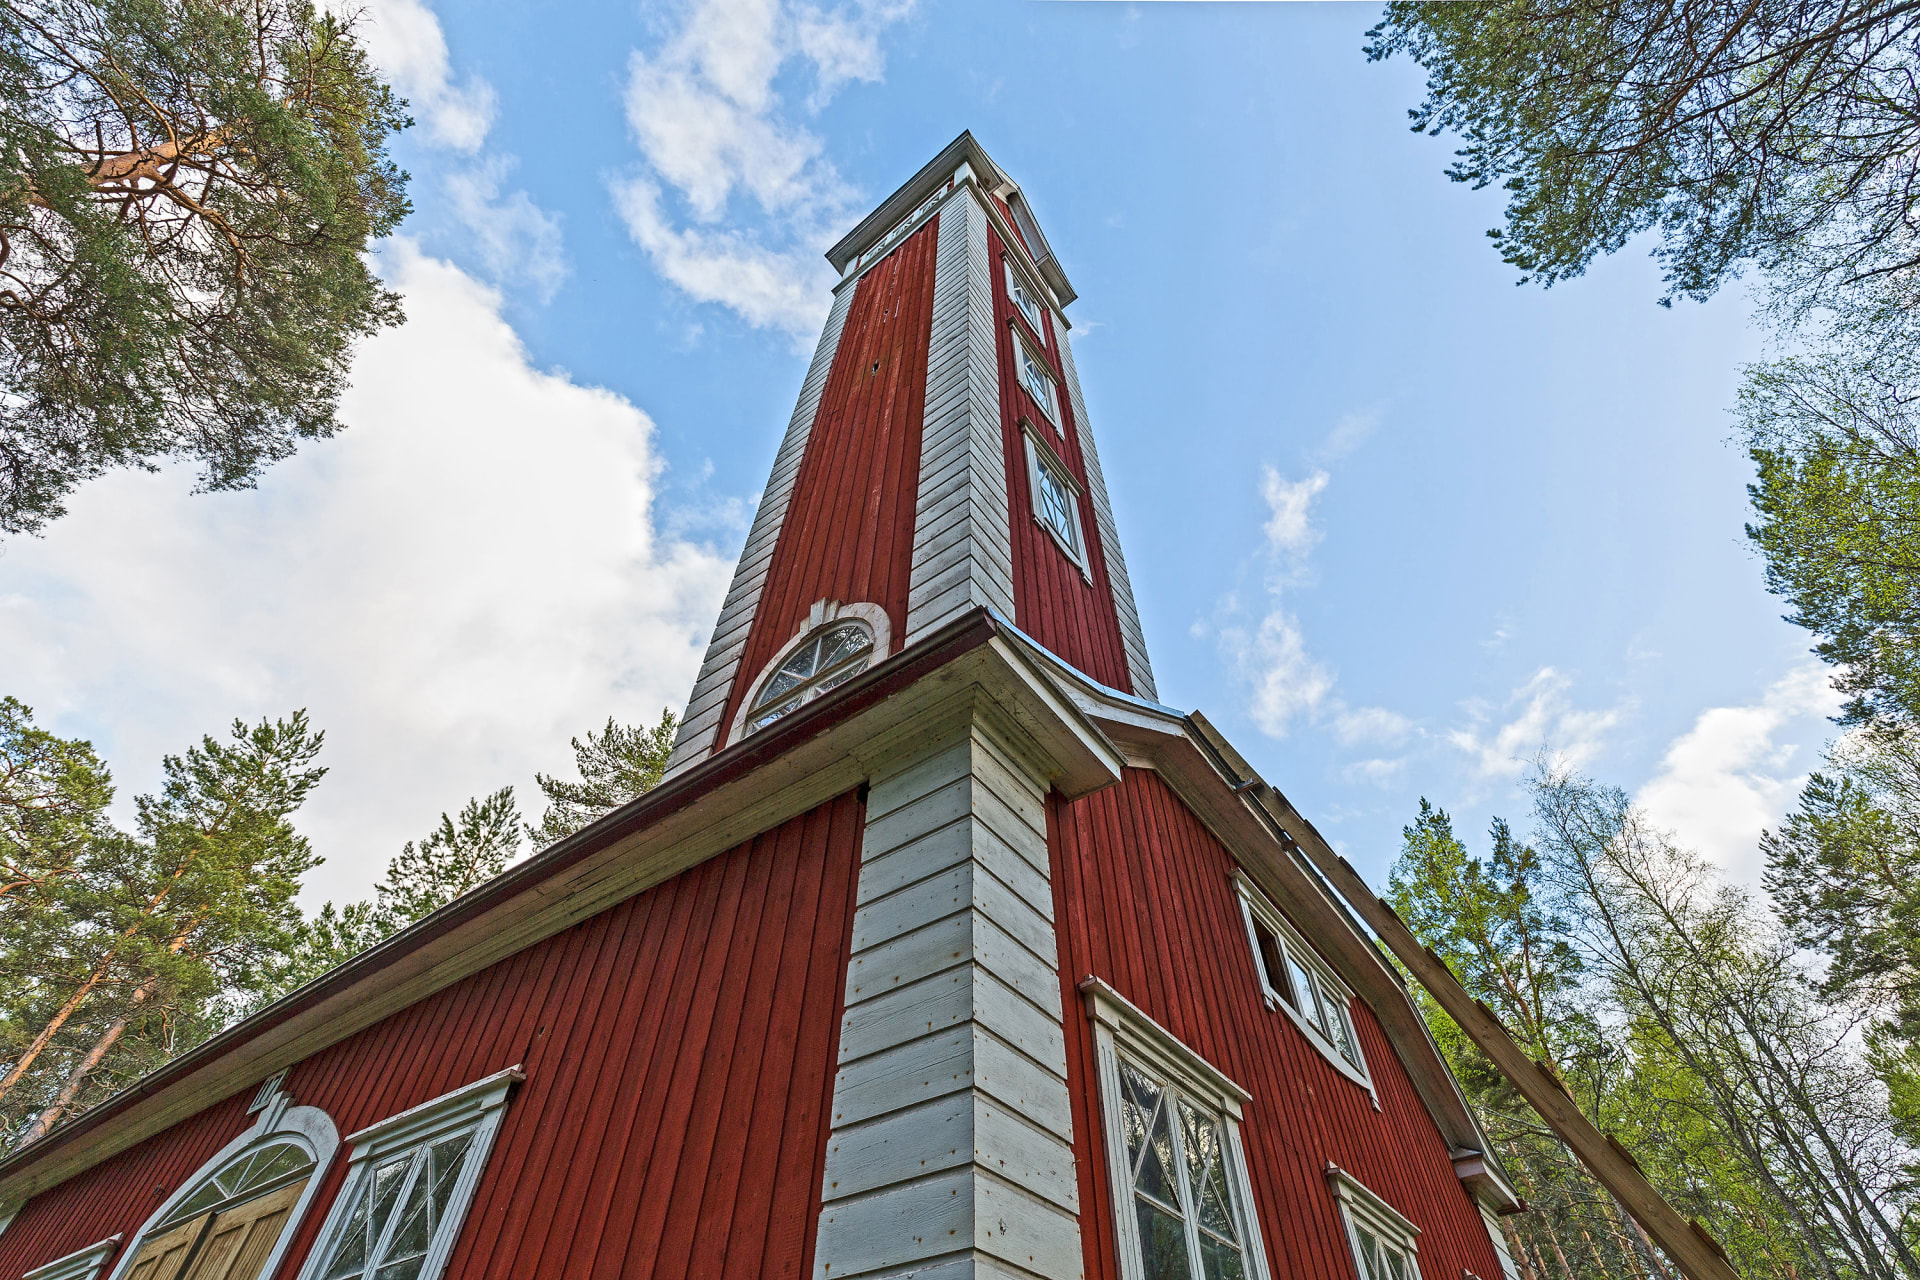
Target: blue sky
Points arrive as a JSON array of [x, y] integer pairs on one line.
[[1395, 524]]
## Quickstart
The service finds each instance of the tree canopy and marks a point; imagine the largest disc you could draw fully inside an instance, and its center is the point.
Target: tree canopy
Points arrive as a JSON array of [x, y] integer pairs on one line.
[[1782, 133], [187, 192], [121, 948], [1683, 1020]]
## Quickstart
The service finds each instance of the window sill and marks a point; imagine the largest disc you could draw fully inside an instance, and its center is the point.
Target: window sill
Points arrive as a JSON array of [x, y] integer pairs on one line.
[[1327, 1049]]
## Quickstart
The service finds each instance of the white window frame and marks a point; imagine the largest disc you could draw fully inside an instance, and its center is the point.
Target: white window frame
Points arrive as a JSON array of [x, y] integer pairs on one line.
[[823, 613], [1023, 349], [1121, 1028], [480, 1105], [1041, 456], [277, 1120], [1026, 301], [1361, 1207], [1255, 906], [81, 1264]]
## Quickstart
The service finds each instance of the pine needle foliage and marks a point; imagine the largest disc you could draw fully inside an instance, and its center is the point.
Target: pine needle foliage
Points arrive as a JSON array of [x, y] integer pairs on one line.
[[188, 189]]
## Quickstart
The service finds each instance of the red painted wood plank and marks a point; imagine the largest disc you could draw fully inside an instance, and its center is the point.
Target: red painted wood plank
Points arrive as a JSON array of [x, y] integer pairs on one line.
[[662, 1038], [1053, 602], [848, 530], [1144, 899]]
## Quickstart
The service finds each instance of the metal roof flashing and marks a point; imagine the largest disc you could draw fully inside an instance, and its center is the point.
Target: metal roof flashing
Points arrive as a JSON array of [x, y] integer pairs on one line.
[[934, 175]]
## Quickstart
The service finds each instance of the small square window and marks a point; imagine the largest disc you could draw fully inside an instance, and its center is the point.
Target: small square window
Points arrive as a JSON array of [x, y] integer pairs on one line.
[[1295, 979]]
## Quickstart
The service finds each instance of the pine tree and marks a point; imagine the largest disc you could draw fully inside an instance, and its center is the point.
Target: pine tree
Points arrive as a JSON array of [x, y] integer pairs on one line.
[[619, 763], [458, 855], [187, 195], [152, 930]]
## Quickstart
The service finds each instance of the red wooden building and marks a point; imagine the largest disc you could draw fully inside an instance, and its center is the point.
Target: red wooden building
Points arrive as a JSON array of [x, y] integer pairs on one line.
[[944, 949]]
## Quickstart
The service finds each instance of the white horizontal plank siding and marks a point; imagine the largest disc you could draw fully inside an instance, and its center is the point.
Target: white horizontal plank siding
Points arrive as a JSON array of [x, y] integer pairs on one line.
[[951, 1151], [1138, 668], [701, 723], [963, 543]]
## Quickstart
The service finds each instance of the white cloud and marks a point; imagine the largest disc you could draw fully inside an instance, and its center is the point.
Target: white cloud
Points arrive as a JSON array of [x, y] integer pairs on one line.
[[1287, 682], [1727, 778], [1355, 725], [514, 241], [517, 242], [467, 576], [1537, 716], [1289, 526], [1348, 434], [405, 41], [765, 286], [1379, 773], [709, 125]]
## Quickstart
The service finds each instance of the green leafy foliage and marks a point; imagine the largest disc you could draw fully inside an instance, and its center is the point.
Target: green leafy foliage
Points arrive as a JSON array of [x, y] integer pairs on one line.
[[128, 945], [187, 192], [615, 765], [1779, 132], [1684, 1021], [1835, 437]]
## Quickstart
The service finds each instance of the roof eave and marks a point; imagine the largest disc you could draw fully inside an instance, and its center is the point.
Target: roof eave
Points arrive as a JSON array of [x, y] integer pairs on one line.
[[931, 177]]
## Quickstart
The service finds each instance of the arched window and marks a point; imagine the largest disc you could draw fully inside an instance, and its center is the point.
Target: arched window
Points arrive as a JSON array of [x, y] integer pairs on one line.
[[836, 643], [235, 1216], [248, 1176], [829, 658]]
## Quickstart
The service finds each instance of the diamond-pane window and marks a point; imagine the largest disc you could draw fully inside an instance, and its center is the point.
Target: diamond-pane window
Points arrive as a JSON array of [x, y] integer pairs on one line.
[[1025, 299], [1188, 1222], [399, 1212], [409, 1185], [827, 659], [1035, 378]]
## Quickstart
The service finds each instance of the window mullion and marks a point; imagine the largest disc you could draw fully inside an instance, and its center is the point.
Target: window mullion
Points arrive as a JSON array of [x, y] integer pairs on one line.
[[377, 1249], [1189, 1198]]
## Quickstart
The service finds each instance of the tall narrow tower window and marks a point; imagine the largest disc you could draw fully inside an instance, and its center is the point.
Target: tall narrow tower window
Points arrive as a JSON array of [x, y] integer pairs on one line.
[[827, 659], [1035, 378], [1056, 499], [1025, 299]]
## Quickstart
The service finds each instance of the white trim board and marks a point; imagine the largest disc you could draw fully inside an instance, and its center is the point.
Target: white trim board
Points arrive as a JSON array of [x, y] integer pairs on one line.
[[81, 1264]]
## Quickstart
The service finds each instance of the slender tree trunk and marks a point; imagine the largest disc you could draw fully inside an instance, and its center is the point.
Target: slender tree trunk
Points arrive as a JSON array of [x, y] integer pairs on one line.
[[67, 1010], [52, 1029], [63, 1102]]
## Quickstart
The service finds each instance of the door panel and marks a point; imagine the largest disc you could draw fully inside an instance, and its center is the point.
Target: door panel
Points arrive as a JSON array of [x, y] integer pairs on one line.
[[162, 1256], [240, 1239]]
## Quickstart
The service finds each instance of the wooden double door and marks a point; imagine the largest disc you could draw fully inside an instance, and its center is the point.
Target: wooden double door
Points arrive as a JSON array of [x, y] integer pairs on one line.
[[224, 1244]]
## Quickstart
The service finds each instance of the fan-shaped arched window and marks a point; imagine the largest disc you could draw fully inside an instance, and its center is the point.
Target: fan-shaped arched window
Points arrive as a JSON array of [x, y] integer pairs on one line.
[[826, 659], [235, 1217], [265, 1168]]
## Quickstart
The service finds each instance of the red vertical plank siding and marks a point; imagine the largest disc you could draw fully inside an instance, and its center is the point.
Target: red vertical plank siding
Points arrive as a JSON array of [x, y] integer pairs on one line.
[[848, 531], [1053, 603], [660, 1039], [1143, 899]]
